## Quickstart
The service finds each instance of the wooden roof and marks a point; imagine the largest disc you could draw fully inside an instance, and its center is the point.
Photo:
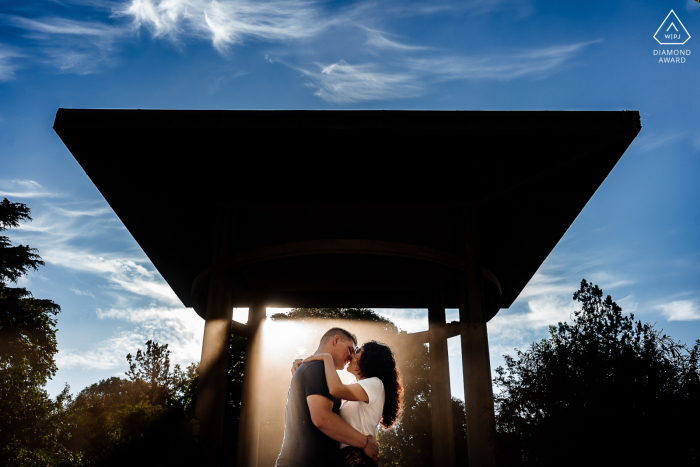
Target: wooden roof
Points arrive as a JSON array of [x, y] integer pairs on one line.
[[317, 196]]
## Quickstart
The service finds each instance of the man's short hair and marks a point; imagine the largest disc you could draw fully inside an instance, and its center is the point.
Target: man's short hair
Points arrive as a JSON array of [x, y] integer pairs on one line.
[[341, 332]]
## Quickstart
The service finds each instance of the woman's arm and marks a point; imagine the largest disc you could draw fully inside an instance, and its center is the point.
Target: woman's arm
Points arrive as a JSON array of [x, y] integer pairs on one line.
[[349, 392]]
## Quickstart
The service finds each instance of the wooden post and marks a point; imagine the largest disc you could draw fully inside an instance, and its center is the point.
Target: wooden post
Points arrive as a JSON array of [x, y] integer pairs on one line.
[[213, 367], [249, 424], [440, 393], [478, 391]]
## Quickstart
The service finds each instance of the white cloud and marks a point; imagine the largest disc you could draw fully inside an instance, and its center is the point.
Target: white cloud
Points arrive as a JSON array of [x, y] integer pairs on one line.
[[24, 188], [226, 22], [608, 279], [54, 25], [651, 142], [119, 272], [70, 45], [680, 310], [342, 83], [82, 293], [181, 328], [378, 40], [87, 212], [8, 64], [409, 320], [628, 304], [482, 7], [71, 235], [534, 62], [108, 354], [543, 311], [404, 73]]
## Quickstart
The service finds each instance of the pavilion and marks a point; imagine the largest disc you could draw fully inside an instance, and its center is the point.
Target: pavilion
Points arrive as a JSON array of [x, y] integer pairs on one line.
[[377, 209]]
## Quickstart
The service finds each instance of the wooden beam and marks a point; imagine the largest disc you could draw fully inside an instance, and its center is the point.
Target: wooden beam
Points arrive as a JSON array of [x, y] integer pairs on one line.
[[478, 391], [440, 394], [213, 367], [424, 337]]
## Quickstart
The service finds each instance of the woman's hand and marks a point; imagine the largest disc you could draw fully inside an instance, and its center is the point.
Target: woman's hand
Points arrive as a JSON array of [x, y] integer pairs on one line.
[[299, 361], [316, 357], [296, 364]]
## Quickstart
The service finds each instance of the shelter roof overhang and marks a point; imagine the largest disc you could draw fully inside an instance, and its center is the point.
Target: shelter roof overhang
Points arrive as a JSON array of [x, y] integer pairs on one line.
[[318, 198]]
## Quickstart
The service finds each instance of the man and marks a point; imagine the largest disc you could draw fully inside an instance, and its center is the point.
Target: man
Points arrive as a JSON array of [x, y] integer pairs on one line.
[[312, 427]]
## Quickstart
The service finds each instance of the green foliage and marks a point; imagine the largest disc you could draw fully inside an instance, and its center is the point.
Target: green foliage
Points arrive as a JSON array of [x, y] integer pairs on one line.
[[350, 314], [32, 426], [15, 261], [602, 390], [150, 373], [234, 390], [27, 333], [143, 420]]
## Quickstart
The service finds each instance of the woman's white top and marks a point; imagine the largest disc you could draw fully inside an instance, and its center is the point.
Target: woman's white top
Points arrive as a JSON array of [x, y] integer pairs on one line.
[[365, 416]]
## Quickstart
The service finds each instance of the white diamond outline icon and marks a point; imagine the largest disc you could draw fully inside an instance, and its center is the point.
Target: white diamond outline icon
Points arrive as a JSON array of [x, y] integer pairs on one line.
[[664, 22]]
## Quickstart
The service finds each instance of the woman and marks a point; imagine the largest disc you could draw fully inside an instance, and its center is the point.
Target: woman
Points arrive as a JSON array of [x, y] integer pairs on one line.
[[375, 398]]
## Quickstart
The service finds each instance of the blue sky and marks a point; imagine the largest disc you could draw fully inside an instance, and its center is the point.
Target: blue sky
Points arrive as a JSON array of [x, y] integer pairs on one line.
[[638, 237]]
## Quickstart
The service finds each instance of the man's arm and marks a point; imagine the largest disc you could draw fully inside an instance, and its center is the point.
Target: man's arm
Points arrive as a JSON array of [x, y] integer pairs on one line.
[[333, 426]]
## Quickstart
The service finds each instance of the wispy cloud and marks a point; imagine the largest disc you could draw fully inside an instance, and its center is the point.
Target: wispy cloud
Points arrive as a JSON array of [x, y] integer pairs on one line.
[[87, 212], [651, 142], [82, 293], [182, 329], [108, 354], [409, 320], [408, 71], [54, 25], [542, 312], [118, 271], [680, 310], [24, 189], [341, 83], [534, 62], [472, 8], [378, 40], [227, 22], [72, 45], [482, 7], [73, 235], [8, 63], [548, 299]]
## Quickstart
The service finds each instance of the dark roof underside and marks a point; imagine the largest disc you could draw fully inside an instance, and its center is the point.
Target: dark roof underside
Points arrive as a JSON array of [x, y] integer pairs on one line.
[[396, 176]]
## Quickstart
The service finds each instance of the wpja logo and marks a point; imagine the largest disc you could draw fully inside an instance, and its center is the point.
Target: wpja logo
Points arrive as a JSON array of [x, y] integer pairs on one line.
[[671, 32]]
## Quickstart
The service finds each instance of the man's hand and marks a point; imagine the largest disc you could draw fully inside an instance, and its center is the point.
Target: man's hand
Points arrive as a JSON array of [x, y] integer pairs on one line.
[[296, 364], [372, 450]]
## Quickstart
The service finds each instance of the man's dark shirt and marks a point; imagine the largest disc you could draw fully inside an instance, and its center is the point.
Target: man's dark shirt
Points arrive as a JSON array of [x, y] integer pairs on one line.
[[304, 444]]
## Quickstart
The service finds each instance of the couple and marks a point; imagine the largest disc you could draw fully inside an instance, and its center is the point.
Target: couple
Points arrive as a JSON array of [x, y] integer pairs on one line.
[[318, 430]]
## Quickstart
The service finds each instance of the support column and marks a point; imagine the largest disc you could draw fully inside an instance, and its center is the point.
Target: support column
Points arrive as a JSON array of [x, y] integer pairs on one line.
[[478, 391], [249, 425], [440, 393], [213, 367]]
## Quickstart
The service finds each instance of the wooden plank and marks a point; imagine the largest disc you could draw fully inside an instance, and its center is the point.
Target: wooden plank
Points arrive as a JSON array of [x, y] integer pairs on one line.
[[213, 367], [249, 424], [440, 393], [478, 391]]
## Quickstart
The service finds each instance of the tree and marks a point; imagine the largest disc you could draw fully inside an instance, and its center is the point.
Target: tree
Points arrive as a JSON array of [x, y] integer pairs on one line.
[[31, 424], [142, 420], [602, 390]]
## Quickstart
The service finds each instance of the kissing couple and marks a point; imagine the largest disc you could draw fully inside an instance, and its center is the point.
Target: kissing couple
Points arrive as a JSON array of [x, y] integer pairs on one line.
[[331, 424]]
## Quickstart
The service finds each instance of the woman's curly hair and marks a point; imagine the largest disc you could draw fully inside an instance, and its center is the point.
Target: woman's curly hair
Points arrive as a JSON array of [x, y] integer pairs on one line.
[[377, 359]]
